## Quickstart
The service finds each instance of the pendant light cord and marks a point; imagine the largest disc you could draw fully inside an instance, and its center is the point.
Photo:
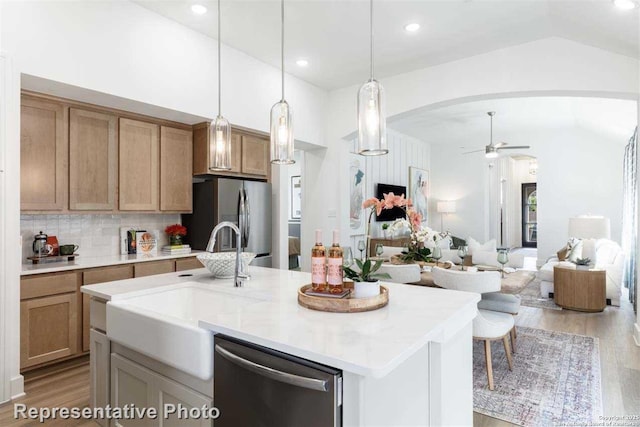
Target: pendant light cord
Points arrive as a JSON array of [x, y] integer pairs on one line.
[[371, 33], [219, 68], [282, 43]]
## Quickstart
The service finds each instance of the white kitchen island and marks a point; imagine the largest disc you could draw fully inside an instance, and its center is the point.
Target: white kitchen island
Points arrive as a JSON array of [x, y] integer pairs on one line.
[[407, 364]]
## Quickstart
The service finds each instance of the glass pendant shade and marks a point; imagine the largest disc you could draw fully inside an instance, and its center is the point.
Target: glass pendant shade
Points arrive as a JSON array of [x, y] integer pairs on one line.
[[220, 145], [372, 123], [281, 134]]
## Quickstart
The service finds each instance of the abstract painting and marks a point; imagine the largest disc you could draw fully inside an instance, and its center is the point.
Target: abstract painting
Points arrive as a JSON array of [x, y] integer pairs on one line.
[[419, 191], [356, 193]]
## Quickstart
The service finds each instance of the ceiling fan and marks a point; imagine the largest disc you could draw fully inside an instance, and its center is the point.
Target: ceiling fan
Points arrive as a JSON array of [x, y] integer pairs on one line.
[[492, 150]]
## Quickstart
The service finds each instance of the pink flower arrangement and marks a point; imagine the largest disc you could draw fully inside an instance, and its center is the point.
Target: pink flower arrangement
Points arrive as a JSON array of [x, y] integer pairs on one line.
[[389, 201]]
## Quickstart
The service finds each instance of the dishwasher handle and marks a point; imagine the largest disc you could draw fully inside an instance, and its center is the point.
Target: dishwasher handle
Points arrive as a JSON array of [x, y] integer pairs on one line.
[[285, 377]]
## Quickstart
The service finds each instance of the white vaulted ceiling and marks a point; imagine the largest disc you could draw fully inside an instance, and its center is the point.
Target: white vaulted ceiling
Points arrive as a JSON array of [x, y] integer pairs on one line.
[[467, 125], [333, 34]]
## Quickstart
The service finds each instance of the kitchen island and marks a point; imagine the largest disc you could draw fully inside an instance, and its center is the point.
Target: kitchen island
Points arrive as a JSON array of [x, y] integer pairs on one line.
[[408, 363]]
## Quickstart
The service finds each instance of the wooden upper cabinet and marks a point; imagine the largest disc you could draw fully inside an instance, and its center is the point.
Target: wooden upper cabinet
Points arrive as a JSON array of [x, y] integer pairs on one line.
[[43, 155], [255, 155], [93, 157], [176, 167], [138, 166], [249, 153]]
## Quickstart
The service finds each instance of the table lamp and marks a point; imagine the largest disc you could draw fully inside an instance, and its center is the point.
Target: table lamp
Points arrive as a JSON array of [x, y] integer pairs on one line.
[[445, 207]]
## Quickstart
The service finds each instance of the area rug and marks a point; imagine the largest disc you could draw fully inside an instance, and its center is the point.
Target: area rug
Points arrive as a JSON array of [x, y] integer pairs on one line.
[[531, 297], [555, 379]]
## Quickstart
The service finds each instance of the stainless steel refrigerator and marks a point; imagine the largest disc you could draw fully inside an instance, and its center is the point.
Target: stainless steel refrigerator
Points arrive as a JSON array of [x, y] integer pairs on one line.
[[227, 199]]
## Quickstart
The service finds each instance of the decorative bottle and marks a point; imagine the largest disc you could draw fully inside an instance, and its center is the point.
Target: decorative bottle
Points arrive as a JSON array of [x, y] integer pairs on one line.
[[318, 264], [334, 275]]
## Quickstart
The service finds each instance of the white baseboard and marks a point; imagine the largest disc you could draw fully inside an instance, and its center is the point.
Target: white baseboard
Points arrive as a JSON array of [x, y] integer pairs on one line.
[[17, 387]]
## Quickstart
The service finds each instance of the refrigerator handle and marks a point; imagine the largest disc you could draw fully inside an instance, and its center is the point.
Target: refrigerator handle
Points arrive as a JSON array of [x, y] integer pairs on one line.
[[247, 218], [240, 214]]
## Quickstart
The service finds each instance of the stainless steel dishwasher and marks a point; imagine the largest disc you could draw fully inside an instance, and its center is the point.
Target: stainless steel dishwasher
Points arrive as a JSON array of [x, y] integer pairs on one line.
[[259, 387]]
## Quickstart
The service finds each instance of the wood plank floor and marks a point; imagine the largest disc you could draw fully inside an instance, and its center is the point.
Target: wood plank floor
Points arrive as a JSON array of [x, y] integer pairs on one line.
[[620, 363]]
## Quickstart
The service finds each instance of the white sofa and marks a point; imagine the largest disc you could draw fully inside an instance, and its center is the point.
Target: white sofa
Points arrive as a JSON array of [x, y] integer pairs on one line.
[[605, 254]]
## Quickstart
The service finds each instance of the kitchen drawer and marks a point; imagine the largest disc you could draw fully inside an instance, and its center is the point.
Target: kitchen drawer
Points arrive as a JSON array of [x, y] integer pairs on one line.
[[187, 264], [41, 285], [154, 267], [107, 274]]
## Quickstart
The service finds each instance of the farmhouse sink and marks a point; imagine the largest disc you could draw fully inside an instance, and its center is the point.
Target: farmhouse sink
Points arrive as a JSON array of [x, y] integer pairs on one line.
[[163, 323]]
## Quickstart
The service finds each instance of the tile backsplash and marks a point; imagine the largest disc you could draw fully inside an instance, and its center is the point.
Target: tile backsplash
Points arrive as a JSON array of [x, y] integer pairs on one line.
[[96, 235]]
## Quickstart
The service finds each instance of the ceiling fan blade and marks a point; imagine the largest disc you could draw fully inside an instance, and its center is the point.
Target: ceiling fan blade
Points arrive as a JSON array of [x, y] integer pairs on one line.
[[475, 151], [514, 147], [500, 144]]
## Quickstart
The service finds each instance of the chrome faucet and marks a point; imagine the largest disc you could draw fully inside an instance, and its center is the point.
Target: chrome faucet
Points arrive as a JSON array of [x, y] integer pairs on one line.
[[238, 275]]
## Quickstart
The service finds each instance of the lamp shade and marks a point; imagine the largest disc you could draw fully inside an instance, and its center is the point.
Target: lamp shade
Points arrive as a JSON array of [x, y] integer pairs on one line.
[[590, 227], [446, 207]]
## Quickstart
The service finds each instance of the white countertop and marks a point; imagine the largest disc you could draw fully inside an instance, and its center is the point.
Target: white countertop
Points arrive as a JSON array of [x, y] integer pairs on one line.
[[91, 262], [369, 344]]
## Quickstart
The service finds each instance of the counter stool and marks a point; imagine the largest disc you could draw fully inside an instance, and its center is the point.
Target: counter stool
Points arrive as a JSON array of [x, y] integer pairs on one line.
[[504, 303], [491, 326]]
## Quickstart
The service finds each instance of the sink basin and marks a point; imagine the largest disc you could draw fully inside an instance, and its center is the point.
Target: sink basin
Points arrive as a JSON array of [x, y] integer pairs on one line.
[[163, 324]]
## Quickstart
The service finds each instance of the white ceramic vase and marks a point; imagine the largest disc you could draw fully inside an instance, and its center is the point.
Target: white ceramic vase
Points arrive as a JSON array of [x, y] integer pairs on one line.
[[583, 267], [366, 289]]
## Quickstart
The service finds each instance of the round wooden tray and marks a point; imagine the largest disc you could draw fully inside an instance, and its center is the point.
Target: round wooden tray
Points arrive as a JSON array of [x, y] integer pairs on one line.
[[343, 305]]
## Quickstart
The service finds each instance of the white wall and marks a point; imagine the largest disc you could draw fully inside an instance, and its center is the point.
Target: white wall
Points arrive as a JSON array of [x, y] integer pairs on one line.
[[393, 168], [123, 49], [463, 179]]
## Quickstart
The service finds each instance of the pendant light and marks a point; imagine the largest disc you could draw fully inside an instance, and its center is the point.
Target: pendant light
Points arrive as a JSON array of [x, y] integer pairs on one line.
[[219, 130], [281, 117], [372, 124]]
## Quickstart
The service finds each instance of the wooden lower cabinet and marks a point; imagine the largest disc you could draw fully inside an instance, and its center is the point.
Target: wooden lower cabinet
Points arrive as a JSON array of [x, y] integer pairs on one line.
[[48, 329], [100, 371], [133, 384]]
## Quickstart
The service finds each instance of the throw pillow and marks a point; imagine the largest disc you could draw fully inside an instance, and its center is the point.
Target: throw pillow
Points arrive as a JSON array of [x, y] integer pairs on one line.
[[576, 251], [474, 245], [485, 258], [562, 253]]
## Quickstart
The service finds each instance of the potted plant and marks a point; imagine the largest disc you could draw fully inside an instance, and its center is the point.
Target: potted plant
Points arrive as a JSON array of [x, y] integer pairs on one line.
[[176, 232], [583, 263], [365, 281], [385, 230]]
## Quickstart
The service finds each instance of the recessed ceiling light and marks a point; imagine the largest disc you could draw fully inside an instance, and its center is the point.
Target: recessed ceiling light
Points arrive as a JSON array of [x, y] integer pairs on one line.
[[412, 28], [302, 62], [198, 9], [625, 4]]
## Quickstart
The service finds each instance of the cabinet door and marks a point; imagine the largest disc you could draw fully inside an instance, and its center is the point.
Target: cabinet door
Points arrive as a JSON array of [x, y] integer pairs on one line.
[[48, 329], [138, 166], [173, 393], [255, 155], [176, 164], [132, 384], [236, 153], [100, 371], [150, 268], [92, 160], [43, 155]]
